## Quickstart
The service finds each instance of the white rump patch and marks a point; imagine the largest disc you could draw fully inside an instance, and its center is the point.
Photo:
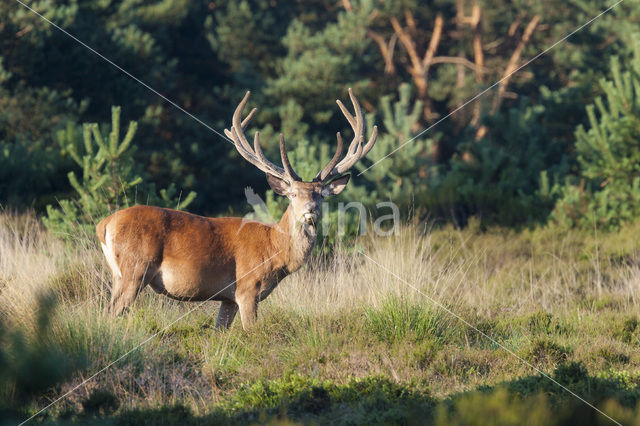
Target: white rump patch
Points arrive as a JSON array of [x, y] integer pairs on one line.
[[110, 255]]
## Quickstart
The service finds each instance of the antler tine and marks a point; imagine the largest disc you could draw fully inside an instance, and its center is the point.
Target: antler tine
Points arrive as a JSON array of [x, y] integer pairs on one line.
[[356, 148], [246, 154], [248, 118], [336, 157], [371, 141], [362, 151], [285, 161], [237, 140], [273, 169], [357, 122], [241, 124], [359, 130], [346, 113], [254, 156]]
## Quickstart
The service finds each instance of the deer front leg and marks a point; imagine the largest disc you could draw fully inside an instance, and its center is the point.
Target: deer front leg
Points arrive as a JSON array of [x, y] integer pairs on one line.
[[227, 313], [247, 302]]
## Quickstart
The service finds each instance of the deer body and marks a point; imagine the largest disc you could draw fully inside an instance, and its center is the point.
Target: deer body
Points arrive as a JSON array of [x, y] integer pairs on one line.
[[235, 261]]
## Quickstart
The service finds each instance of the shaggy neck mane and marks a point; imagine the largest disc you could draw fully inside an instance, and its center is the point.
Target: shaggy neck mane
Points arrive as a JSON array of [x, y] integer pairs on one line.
[[294, 240]]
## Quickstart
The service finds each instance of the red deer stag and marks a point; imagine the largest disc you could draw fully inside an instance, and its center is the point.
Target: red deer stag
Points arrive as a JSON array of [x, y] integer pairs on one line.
[[195, 258]]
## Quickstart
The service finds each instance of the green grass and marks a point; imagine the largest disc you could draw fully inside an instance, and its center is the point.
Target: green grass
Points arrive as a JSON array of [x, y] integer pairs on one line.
[[340, 341], [396, 319]]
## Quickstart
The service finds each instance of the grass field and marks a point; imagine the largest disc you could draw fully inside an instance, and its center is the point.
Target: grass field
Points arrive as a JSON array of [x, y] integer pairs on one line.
[[342, 341]]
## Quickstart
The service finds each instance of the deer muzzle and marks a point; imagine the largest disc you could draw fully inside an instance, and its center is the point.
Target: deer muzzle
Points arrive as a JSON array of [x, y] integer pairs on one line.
[[310, 218]]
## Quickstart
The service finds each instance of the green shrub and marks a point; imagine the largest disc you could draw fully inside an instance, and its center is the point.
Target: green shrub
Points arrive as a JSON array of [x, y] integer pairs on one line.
[[544, 322], [31, 361], [32, 169], [365, 400], [508, 176], [402, 175], [100, 402], [165, 415], [608, 192], [396, 318], [612, 355], [499, 408], [547, 350], [629, 331], [110, 179]]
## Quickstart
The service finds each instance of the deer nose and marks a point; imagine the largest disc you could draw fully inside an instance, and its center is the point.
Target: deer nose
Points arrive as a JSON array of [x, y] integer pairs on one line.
[[311, 213]]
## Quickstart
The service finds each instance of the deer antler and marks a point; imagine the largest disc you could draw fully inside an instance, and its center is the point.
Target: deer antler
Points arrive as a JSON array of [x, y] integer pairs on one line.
[[255, 156], [356, 149]]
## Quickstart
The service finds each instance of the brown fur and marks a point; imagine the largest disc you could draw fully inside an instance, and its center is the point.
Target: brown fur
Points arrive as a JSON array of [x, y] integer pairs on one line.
[[190, 257]]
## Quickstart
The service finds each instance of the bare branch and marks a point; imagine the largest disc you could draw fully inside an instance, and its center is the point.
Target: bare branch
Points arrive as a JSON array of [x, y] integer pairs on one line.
[[386, 50], [411, 22], [419, 68], [514, 26], [408, 44], [512, 65], [433, 43], [478, 55], [456, 60]]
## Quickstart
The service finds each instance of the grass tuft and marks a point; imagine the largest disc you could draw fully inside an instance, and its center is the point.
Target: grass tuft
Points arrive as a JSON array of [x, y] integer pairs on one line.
[[396, 319]]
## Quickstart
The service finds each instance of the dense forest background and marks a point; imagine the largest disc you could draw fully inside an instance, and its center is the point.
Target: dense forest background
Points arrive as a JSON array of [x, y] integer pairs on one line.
[[555, 141]]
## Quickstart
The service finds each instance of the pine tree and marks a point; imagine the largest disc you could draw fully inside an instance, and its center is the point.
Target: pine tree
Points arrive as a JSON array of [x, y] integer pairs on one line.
[[608, 193], [110, 180], [506, 178], [319, 65], [403, 168]]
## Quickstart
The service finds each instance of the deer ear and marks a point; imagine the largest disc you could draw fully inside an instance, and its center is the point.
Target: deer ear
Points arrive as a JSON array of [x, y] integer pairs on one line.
[[336, 186], [278, 185]]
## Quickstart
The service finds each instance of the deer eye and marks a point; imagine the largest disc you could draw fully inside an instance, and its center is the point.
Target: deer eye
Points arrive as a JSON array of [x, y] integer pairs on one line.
[[292, 195]]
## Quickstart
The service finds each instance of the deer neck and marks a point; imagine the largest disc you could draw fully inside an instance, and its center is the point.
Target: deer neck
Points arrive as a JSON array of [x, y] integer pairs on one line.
[[294, 241]]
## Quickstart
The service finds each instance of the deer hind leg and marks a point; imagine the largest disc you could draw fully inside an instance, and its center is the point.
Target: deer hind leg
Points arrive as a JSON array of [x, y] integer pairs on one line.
[[124, 294], [227, 313], [127, 287]]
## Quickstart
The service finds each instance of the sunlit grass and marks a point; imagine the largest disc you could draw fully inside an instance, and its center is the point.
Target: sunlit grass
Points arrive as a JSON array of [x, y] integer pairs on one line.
[[552, 298]]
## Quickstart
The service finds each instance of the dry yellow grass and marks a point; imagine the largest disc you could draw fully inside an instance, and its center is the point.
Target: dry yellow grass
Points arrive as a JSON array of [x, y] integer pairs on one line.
[[549, 296], [484, 271]]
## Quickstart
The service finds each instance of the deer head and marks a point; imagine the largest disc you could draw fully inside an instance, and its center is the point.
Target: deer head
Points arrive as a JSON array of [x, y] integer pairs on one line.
[[305, 198]]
